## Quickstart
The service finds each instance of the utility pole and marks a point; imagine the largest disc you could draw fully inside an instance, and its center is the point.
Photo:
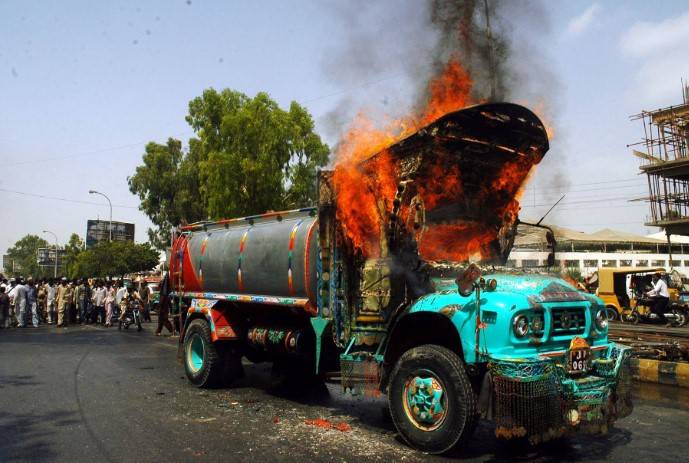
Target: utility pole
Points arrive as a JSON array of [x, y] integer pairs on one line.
[[94, 192], [48, 231]]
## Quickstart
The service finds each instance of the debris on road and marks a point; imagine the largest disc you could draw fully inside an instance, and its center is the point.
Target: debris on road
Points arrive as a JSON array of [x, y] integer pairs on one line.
[[327, 424]]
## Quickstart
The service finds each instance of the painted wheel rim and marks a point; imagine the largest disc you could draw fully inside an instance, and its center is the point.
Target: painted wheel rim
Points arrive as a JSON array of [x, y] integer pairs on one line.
[[196, 351], [425, 401]]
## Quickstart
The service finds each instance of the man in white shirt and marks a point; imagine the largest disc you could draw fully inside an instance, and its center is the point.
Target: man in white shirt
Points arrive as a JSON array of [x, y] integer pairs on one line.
[[121, 292], [661, 297], [98, 299], [51, 296], [18, 295]]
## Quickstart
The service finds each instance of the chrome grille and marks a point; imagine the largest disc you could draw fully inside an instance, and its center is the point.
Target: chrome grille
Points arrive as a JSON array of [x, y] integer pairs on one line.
[[568, 320]]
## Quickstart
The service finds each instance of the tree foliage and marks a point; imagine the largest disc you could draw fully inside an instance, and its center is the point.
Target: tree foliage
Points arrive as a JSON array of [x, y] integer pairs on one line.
[[168, 185], [24, 252], [115, 259], [74, 247], [248, 156]]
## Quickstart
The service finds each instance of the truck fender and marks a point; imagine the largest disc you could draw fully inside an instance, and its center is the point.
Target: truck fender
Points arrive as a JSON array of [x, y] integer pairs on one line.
[[415, 329], [221, 327]]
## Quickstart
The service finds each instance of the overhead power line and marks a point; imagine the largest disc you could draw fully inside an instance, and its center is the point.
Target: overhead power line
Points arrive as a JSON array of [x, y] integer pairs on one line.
[[56, 198], [89, 153]]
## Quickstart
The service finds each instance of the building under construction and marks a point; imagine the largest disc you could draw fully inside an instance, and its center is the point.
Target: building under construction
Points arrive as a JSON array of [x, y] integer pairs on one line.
[[665, 160]]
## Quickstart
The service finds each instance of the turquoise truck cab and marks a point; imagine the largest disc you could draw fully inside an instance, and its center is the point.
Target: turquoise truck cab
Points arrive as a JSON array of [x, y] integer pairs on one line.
[[376, 286]]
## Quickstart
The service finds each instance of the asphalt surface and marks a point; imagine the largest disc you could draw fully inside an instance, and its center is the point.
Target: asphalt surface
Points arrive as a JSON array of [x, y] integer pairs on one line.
[[95, 394]]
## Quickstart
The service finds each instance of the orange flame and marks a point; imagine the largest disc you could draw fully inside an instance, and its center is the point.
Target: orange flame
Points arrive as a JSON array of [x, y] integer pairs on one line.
[[365, 192]]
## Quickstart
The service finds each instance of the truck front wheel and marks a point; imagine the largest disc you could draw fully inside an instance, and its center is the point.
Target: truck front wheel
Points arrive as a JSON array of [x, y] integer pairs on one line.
[[208, 364], [431, 400]]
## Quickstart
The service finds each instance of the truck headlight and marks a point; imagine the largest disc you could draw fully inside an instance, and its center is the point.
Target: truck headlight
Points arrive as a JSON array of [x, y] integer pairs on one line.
[[520, 325], [602, 320]]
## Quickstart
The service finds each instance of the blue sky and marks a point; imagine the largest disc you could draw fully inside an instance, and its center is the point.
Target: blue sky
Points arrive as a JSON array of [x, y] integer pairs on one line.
[[84, 85]]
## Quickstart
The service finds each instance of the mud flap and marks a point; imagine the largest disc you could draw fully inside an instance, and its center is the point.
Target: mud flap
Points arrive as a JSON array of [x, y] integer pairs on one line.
[[319, 324]]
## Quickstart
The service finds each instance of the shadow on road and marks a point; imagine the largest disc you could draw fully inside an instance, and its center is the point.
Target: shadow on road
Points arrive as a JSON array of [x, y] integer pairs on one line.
[[17, 380], [30, 436]]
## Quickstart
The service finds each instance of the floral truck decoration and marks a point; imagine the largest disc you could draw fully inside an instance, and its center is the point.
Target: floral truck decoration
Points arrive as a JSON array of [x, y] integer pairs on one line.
[[374, 286]]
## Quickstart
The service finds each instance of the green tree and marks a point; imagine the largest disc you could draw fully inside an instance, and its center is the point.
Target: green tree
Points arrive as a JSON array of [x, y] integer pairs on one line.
[[24, 252], [248, 156], [168, 186], [115, 259], [74, 247]]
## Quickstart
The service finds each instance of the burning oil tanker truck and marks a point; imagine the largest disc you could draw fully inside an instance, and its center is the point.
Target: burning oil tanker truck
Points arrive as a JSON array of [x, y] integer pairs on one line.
[[373, 286]]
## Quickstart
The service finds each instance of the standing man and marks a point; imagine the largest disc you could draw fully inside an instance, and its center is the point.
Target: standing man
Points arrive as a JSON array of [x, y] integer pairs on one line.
[[42, 293], [65, 296], [73, 306], [98, 300], [121, 292], [164, 308], [10, 292], [32, 302], [18, 295], [51, 297], [80, 296], [145, 295], [4, 308]]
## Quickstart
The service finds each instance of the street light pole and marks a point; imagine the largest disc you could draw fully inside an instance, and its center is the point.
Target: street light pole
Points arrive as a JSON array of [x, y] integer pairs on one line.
[[48, 231], [94, 192]]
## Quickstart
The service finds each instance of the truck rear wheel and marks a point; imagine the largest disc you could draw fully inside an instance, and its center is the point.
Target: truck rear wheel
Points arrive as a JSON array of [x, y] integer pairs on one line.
[[208, 364], [431, 399]]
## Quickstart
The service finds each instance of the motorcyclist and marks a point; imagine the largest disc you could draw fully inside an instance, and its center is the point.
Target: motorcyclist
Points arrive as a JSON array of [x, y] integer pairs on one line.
[[130, 295], [661, 297]]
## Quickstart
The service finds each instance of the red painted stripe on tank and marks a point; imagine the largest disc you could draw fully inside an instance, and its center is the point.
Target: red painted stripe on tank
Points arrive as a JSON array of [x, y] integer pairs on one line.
[[307, 286], [242, 245], [191, 281], [292, 239]]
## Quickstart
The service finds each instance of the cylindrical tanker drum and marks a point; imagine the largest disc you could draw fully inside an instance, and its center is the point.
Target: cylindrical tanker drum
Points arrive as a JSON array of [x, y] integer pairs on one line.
[[270, 257]]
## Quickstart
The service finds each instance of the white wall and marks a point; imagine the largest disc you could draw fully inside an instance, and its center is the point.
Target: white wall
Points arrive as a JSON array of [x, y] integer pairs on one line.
[[588, 262]]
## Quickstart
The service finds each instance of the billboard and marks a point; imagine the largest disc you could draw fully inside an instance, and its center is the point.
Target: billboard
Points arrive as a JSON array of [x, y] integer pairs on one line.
[[97, 231], [46, 256], [10, 265]]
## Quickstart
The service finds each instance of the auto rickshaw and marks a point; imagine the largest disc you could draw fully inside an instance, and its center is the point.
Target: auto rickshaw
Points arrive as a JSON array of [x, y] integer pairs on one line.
[[623, 290]]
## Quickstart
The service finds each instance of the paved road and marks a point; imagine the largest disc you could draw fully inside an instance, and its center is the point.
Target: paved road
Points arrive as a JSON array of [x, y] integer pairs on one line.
[[90, 394]]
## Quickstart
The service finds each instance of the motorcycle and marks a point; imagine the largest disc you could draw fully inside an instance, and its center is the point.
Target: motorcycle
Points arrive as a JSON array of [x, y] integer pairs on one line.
[[131, 316], [676, 314]]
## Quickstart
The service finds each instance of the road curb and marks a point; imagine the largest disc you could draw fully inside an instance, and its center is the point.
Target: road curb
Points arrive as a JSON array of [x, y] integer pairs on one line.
[[660, 372]]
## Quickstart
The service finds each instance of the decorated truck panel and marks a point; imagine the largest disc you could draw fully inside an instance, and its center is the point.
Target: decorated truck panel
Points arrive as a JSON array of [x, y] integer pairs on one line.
[[373, 285]]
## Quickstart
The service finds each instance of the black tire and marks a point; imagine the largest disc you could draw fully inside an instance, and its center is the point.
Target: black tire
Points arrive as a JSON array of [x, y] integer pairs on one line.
[[203, 366], [612, 314], [631, 317], [680, 316], [138, 323], [119, 326], [459, 415]]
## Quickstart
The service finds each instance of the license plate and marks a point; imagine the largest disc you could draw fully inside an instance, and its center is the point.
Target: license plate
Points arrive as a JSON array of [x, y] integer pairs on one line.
[[579, 360]]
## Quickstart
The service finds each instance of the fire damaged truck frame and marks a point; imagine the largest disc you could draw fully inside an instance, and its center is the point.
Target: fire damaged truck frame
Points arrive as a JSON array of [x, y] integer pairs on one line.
[[447, 342]]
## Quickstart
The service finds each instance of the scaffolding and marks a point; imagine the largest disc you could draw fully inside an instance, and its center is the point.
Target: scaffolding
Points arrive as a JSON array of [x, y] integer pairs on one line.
[[665, 162]]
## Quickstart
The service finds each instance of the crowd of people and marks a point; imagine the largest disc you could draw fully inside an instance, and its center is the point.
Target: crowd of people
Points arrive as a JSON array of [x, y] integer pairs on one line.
[[63, 302]]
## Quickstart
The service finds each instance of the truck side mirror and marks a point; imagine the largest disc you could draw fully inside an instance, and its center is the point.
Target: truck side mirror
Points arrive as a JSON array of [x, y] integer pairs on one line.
[[467, 279]]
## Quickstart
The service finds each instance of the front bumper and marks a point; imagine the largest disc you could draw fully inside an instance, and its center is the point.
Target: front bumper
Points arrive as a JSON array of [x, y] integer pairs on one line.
[[537, 399]]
